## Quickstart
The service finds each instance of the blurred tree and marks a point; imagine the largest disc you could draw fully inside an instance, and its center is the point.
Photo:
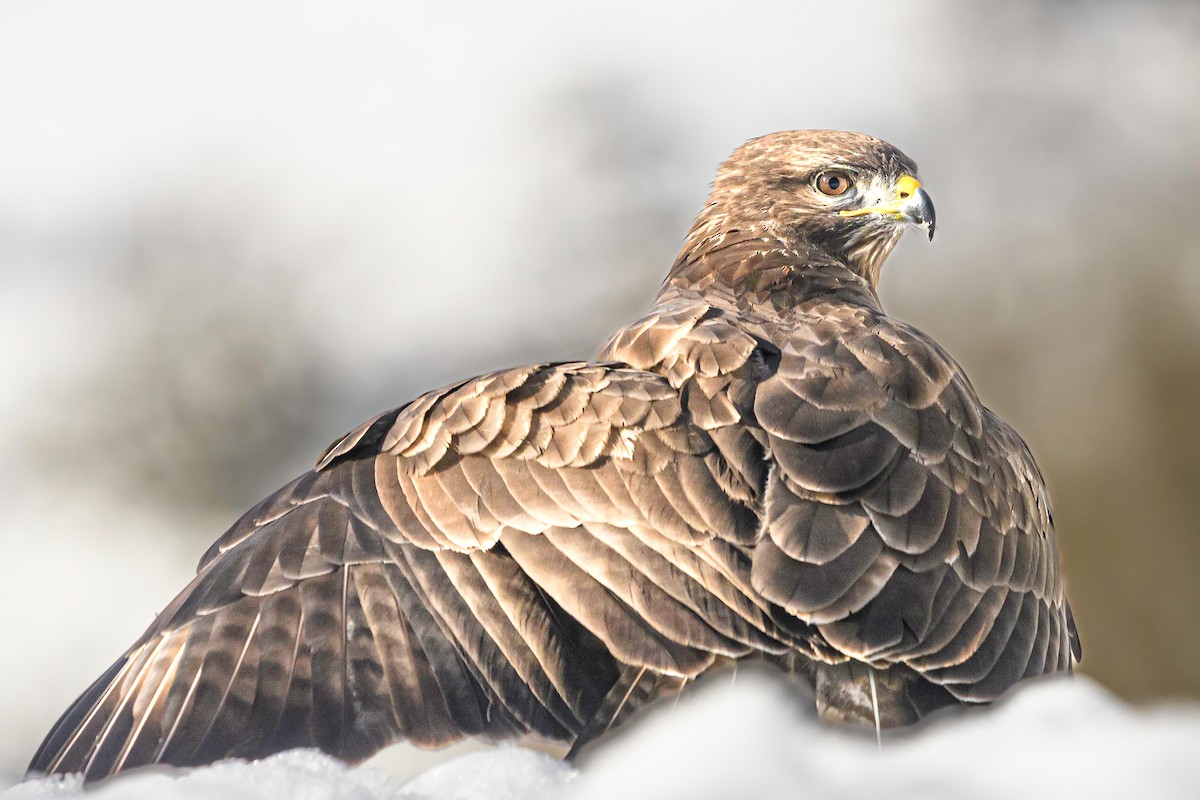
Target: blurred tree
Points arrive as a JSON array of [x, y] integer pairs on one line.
[[212, 389], [1086, 334], [612, 204]]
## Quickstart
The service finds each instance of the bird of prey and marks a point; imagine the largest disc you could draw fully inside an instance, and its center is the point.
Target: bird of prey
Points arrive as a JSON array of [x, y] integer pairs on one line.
[[764, 466]]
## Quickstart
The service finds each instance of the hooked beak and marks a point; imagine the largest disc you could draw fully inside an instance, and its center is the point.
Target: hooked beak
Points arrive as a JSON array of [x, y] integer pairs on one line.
[[910, 203]]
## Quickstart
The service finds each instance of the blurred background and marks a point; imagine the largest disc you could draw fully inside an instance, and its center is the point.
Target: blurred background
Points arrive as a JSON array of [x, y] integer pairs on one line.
[[231, 231]]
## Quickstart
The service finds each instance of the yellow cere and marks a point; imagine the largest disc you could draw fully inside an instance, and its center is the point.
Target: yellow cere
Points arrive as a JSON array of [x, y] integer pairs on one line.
[[907, 186]]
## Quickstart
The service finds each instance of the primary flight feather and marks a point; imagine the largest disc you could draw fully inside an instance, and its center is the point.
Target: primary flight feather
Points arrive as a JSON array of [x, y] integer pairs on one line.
[[764, 466]]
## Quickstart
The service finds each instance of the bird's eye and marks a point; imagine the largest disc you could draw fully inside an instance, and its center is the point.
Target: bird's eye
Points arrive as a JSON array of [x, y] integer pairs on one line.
[[834, 183]]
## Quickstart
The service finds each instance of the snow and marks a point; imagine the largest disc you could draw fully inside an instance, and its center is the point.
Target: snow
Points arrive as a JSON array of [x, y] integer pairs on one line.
[[1059, 738], [754, 737]]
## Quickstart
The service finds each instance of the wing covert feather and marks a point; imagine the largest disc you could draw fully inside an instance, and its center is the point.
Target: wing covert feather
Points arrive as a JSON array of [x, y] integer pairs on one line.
[[904, 520], [474, 563]]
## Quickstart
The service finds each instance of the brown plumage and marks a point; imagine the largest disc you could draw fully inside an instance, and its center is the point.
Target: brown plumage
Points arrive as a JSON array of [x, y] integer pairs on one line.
[[764, 466]]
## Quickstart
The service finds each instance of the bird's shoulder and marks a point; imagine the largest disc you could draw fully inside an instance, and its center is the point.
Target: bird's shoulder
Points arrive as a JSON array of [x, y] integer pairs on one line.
[[559, 414], [493, 429], [684, 338], [845, 369], [841, 366]]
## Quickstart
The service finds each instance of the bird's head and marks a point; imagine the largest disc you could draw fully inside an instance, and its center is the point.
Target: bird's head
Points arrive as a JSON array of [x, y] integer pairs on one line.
[[846, 195]]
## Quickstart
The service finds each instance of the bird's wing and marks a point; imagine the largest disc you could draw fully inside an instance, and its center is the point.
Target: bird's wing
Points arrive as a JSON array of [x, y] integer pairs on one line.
[[905, 521], [484, 561]]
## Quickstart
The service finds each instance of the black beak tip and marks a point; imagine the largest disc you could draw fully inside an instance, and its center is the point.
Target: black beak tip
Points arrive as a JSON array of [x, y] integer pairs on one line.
[[927, 211]]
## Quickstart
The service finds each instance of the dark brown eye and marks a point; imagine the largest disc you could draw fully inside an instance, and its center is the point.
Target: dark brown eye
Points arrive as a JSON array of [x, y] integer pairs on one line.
[[834, 183]]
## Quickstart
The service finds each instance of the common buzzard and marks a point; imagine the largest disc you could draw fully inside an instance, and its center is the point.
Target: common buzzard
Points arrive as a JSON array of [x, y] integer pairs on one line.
[[764, 466]]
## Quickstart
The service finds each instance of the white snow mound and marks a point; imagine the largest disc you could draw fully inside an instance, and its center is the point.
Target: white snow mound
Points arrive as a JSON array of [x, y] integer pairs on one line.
[[753, 738]]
